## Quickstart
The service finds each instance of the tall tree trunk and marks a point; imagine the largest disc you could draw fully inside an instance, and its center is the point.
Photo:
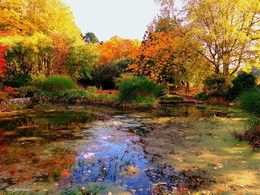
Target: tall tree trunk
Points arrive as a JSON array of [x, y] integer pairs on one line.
[[187, 87], [226, 69]]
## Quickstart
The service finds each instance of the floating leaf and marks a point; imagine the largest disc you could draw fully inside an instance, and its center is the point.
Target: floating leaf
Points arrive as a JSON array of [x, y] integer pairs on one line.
[[133, 169], [162, 183]]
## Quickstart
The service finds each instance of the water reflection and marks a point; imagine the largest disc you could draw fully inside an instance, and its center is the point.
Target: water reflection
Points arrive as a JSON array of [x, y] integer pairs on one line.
[[117, 156], [79, 151], [33, 145], [193, 111]]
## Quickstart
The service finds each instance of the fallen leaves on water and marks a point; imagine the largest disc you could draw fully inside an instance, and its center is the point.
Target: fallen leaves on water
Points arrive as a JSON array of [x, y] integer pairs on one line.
[[66, 172], [27, 127], [217, 166], [162, 183], [241, 162], [133, 169], [218, 190]]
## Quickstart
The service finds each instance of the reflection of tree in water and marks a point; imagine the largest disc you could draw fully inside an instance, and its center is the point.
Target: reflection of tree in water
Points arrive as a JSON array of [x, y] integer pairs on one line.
[[111, 168], [120, 171], [191, 111], [36, 167], [21, 136], [51, 126]]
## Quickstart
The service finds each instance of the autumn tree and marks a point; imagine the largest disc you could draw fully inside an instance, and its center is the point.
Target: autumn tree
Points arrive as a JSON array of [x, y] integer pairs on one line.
[[26, 17], [81, 60], [44, 39], [30, 54], [227, 31], [3, 65], [116, 49], [13, 17], [52, 16], [166, 58], [113, 53]]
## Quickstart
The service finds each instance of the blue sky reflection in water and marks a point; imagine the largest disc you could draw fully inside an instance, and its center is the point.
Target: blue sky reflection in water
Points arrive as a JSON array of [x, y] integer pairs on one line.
[[116, 156]]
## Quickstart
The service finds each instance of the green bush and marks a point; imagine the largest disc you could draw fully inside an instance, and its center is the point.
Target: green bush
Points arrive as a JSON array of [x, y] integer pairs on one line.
[[122, 78], [163, 90], [171, 97], [216, 85], [250, 101], [144, 100], [27, 91], [133, 88], [58, 83], [103, 76], [244, 81], [18, 80], [38, 81], [203, 96]]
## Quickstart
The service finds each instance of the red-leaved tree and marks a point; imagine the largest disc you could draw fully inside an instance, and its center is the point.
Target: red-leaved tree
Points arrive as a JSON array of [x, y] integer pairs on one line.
[[3, 65]]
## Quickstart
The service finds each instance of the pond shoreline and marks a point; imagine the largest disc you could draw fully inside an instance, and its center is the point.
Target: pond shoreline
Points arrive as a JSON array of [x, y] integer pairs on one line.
[[117, 105]]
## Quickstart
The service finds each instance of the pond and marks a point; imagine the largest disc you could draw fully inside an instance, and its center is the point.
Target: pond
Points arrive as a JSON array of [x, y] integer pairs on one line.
[[83, 150]]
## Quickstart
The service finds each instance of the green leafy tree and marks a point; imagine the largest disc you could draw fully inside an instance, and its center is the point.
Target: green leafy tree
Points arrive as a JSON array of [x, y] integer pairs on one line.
[[91, 38]]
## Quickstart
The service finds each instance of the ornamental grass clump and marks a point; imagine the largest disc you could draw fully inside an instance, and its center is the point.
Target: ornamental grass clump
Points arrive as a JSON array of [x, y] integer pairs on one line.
[[250, 101], [133, 88]]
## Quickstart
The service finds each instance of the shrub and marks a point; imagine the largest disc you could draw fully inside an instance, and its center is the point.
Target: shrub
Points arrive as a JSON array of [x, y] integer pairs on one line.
[[163, 90], [28, 91], [3, 96], [135, 87], [244, 81], [216, 85], [10, 91], [57, 83], [20, 79], [250, 101], [38, 81], [144, 100], [203, 96], [122, 78], [103, 76]]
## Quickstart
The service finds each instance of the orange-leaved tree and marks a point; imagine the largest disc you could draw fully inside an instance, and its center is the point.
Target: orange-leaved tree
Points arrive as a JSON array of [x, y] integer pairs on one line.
[[61, 51], [165, 57], [116, 49]]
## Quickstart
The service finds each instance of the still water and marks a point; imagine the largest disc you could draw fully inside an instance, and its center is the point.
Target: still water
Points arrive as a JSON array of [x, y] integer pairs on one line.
[[87, 150]]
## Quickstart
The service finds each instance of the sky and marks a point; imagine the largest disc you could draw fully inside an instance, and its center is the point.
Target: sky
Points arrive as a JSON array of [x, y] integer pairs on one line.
[[107, 18]]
